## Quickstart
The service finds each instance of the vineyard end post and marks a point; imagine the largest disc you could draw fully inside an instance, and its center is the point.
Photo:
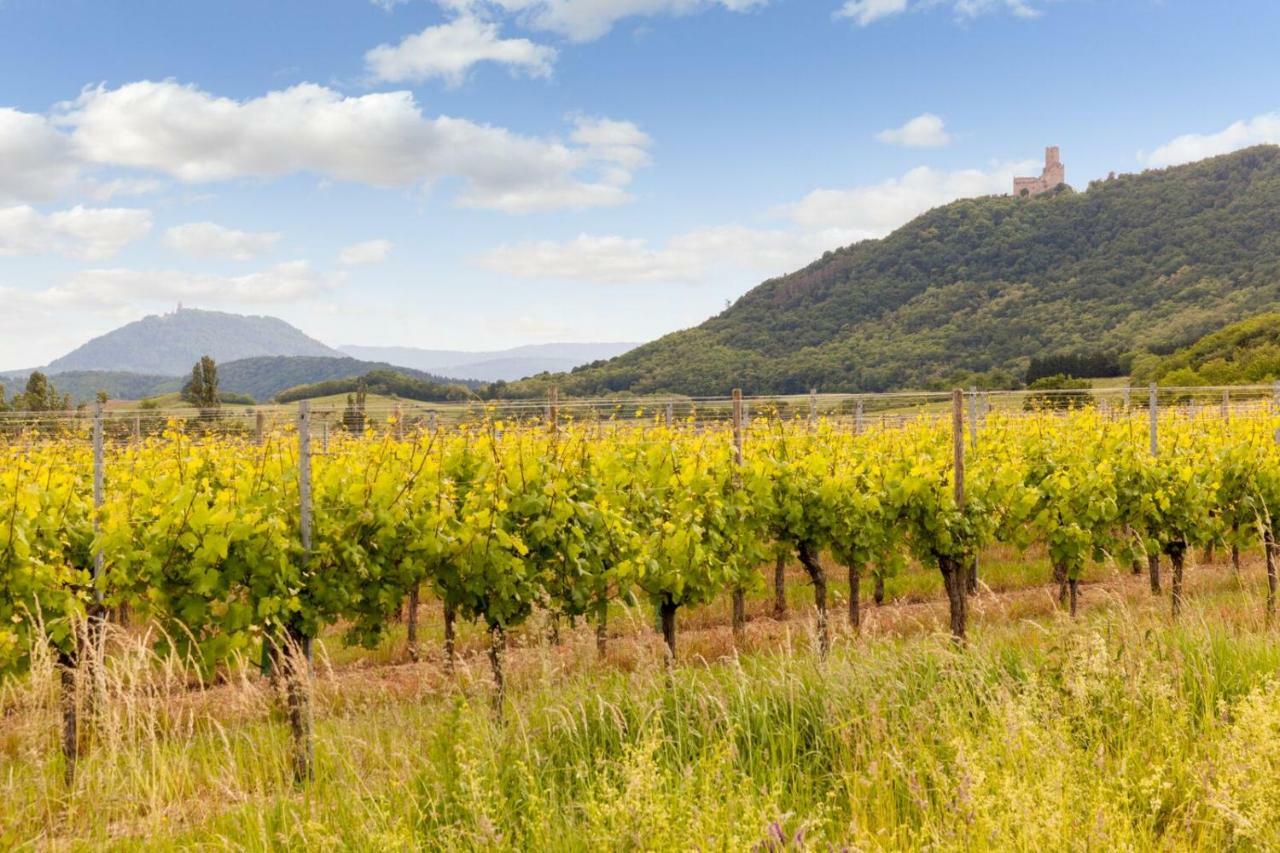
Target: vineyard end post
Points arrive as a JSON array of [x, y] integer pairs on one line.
[[1153, 418], [973, 417]]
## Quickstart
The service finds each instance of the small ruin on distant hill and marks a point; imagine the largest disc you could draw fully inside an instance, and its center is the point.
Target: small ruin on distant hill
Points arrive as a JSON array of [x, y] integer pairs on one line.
[[1053, 175]]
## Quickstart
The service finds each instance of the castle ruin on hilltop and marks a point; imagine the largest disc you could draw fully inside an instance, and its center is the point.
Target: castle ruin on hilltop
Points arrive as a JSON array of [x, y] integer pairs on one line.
[[1054, 174]]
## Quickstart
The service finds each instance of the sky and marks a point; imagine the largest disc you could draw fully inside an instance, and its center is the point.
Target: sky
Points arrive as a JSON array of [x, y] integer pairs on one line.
[[479, 174]]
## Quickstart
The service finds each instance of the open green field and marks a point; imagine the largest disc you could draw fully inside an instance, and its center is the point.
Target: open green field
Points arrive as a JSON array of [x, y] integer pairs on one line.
[[1119, 730]]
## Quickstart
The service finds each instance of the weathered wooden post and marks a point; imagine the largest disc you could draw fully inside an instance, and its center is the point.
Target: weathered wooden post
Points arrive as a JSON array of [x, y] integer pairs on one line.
[[813, 407], [260, 428], [1153, 418], [857, 417], [1153, 427], [553, 410], [973, 417], [297, 657], [739, 596], [955, 571]]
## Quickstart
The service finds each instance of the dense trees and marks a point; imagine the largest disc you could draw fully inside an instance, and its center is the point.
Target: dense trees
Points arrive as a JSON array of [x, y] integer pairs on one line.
[[1244, 352], [391, 383], [201, 389], [39, 395], [1153, 260]]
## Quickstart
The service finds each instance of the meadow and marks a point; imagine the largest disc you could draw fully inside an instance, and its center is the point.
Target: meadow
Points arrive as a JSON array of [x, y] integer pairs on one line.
[[467, 639], [1119, 729]]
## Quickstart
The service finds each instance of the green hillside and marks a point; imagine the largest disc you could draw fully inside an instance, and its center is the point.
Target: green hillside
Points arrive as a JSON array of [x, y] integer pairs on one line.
[[1242, 353], [261, 378], [264, 377], [1146, 261], [396, 382]]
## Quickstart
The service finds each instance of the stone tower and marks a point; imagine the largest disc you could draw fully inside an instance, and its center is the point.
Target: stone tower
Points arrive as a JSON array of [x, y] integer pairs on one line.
[[1054, 174]]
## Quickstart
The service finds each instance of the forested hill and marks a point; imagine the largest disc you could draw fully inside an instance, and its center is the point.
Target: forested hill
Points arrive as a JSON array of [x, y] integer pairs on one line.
[[1151, 260]]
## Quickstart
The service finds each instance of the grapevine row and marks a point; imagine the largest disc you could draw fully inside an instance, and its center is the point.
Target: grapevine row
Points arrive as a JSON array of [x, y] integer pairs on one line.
[[201, 535]]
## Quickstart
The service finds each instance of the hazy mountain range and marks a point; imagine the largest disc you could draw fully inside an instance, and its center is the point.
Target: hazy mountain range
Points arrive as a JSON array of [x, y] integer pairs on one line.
[[262, 356], [509, 364]]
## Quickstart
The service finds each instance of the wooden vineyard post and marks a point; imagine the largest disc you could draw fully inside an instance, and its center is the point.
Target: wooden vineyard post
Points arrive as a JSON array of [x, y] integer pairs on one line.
[[813, 407], [411, 606], [971, 577], [1226, 404], [553, 410], [1153, 426], [1125, 400], [98, 478], [739, 595], [1153, 419], [953, 570], [973, 418], [97, 613], [671, 414], [857, 417], [1269, 548], [137, 427], [298, 652], [260, 428], [1275, 396]]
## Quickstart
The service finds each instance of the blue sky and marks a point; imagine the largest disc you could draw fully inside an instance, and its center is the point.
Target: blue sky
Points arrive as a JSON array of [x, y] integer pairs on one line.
[[473, 175]]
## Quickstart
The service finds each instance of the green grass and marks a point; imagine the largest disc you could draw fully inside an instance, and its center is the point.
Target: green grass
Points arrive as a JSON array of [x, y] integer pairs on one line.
[[1121, 730]]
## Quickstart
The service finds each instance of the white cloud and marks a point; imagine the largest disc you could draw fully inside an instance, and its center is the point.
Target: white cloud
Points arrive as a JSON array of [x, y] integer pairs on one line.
[[924, 131], [110, 288], [81, 232], [604, 259], [863, 12], [822, 220], [1258, 130], [876, 209], [36, 162], [1017, 8], [447, 51], [210, 240], [368, 252], [105, 190], [689, 257], [382, 139], [586, 20]]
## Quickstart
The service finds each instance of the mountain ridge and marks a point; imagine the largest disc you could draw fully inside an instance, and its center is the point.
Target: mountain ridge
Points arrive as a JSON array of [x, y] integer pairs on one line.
[[971, 290], [494, 365], [168, 344], [261, 377]]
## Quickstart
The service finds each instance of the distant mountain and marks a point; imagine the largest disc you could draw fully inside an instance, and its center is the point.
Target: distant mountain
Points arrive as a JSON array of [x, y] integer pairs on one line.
[[972, 290], [509, 365], [261, 378], [167, 345]]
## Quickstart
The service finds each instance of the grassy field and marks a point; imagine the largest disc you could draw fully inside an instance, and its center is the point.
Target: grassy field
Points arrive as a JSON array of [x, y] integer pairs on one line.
[[1118, 730]]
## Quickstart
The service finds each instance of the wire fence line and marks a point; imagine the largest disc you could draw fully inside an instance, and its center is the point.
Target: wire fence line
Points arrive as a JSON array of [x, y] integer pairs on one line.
[[860, 410]]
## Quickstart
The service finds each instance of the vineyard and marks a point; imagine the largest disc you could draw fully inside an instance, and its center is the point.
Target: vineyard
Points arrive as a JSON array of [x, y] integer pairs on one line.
[[219, 543]]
